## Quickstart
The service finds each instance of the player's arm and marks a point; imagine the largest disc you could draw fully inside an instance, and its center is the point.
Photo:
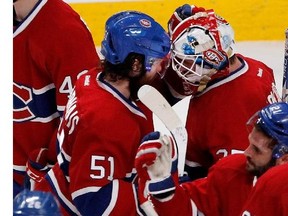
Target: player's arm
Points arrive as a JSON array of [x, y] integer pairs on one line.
[[156, 164]]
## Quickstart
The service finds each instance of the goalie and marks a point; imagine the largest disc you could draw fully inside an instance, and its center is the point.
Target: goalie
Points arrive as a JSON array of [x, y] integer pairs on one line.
[[226, 88]]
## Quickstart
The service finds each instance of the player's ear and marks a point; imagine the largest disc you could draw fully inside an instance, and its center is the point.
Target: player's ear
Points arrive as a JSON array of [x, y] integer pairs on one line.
[[137, 65]]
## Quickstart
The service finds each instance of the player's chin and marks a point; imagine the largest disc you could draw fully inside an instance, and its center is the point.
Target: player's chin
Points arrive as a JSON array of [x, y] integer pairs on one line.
[[250, 167]]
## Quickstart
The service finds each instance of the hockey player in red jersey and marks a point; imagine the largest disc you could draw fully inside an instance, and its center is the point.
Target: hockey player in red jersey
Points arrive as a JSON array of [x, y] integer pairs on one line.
[[229, 182], [222, 83], [51, 47], [103, 123], [270, 194]]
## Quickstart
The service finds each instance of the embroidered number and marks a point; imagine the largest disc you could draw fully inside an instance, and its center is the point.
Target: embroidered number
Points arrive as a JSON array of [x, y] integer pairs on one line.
[[67, 85], [98, 165], [225, 152], [260, 72]]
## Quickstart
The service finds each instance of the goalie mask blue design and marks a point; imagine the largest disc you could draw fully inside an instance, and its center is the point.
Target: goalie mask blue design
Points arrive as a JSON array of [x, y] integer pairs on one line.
[[132, 31]]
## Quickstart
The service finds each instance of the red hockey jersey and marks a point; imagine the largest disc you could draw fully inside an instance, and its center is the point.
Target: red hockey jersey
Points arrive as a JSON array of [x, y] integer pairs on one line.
[[270, 194], [99, 135], [217, 117], [222, 193], [51, 46]]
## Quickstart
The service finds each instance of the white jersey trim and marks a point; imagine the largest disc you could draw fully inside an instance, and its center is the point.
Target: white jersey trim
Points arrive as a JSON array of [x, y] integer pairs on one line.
[[19, 168], [60, 194], [45, 120], [227, 79], [84, 191], [115, 191], [28, 20], [114, 196], [116, 95]]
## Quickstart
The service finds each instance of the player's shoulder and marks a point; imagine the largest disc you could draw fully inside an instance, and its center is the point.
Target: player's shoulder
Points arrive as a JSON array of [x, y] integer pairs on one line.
[[274, 181], [87, 79], [230, 168], [275, 174], [66, 18], [92, 99], [254, 63], [250, 60], [234, 161]]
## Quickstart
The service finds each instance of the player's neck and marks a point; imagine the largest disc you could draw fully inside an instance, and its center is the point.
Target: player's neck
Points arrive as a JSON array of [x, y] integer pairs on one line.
[[123, 86], [236, 64], [23, 8]]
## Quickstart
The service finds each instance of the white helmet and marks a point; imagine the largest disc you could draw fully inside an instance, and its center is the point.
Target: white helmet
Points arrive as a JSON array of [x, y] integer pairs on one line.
[[201, 46]]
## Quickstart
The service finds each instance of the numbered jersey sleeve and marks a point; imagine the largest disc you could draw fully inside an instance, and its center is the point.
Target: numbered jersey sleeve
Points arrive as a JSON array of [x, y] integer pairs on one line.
[[270, 194], [100, 133]]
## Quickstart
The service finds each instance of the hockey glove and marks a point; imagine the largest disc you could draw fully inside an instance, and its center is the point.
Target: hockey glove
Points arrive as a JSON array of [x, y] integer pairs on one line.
[[156, 165], [36, 167]]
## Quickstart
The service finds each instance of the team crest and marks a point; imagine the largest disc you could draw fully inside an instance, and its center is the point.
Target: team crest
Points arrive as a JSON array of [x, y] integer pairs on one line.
[[214, 57], [145, 23]]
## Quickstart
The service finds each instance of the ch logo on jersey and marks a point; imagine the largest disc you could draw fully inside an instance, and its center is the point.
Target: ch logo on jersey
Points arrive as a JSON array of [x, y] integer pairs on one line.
[[38, 105]]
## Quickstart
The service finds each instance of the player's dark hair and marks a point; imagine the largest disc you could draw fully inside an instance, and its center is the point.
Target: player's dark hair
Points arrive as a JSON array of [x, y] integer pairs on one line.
[[273, 142], [121, 70]]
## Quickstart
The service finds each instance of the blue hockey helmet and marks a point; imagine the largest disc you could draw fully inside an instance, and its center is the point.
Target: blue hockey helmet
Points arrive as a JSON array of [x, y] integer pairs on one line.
[[32, 203], [134, 32], [273, 119]]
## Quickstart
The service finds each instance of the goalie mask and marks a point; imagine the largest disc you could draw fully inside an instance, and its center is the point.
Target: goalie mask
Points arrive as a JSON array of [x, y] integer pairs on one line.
[[201, 46], [134, 32], [273, 120]]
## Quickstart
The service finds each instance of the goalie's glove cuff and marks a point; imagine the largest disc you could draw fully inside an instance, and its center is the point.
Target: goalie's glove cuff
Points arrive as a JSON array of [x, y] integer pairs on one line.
[[162, 189]]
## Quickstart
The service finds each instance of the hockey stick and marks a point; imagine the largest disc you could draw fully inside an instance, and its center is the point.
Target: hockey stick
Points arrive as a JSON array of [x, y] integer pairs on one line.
[[149, 96], [285, 72]]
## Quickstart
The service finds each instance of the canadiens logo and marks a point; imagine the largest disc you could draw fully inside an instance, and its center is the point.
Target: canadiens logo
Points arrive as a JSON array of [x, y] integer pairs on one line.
[[214, 57], [145, 23], [36, 105], [22, 96]]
